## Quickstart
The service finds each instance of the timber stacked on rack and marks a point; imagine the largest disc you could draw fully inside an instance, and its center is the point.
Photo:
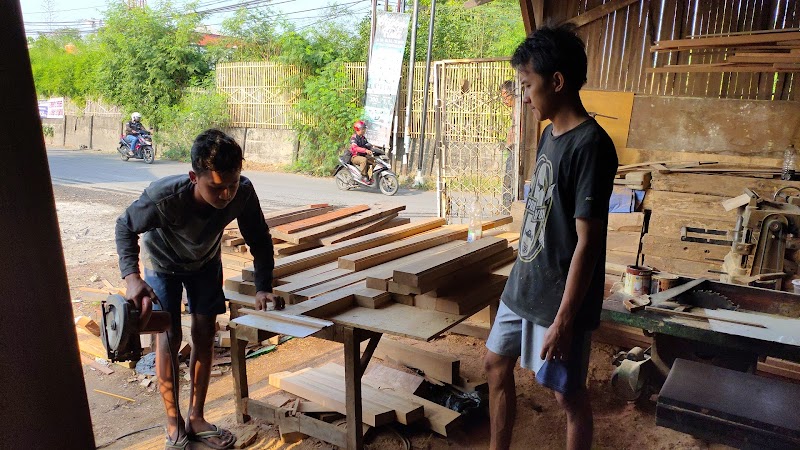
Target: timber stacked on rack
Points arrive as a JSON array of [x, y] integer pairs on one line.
[[766, 51], [688, 226]]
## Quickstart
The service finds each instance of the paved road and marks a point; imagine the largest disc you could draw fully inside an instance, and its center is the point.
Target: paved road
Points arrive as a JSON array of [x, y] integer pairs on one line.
[[105, 172]]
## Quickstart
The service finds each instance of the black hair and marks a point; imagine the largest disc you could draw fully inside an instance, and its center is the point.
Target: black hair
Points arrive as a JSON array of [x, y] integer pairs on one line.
[[552, 49], [213, 150], [508, 86]]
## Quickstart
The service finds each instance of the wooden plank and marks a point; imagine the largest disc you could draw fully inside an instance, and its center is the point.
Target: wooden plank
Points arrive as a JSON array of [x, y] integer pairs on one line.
[[358, 231], [312, 222], [383, 377], [448, 262], [653, 245], [330, 303], [382, 270], [372, 298], [388, 252], [91, 344], [407, 412], [469, 272], [296, 263], [290, 318], [310, 272], [275, 218], [472, 296], [724, 41], [718, 184], [684, 267], [718, 67], [679, 202], [287, 248], [623, 241], [669, 224], [626, 222], [286, 290], [599, 12], [304, 386], [105, 370], [436, 365], [275, 325], [316, 233]]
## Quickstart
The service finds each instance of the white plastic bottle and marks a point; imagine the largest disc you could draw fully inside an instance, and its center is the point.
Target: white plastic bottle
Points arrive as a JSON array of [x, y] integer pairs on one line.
[[475, 229]]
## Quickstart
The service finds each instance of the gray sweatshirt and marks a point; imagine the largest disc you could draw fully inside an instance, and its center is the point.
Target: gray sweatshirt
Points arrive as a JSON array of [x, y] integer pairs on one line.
[[178, 240]]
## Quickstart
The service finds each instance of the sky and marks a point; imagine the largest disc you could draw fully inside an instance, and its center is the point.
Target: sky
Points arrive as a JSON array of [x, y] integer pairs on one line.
[[85, 14]]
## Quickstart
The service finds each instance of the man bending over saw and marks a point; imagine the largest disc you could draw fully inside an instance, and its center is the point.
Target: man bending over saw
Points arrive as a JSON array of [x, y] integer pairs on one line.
[[181, 218]]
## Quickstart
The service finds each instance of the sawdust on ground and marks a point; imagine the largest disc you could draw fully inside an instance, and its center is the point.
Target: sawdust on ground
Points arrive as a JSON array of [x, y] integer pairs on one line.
[[87, 227]]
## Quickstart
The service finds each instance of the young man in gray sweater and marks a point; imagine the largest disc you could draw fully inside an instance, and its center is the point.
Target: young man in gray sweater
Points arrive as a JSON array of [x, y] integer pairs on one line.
[[181, 219]]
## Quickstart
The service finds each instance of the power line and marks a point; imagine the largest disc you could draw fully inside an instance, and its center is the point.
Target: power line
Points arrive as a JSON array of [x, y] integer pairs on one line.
[[329, 19]]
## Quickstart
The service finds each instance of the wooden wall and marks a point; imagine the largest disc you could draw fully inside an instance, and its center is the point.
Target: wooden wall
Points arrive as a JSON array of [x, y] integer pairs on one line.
[[618, 45]]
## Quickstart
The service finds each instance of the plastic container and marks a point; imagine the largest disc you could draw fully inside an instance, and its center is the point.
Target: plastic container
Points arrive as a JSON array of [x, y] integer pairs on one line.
[[475, 229], [789, 163], [796, 286]]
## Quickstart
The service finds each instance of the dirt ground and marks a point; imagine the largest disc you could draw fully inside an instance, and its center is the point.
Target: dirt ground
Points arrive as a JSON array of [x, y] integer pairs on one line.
[[87, 226]]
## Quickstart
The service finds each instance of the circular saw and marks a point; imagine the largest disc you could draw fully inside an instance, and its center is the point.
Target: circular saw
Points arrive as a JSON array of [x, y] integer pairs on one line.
[[121, 326]]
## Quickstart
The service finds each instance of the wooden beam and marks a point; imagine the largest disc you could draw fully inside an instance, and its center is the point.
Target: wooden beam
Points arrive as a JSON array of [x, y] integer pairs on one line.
[[718, 67], [447, 262], [599, 12], [305, 224], [345, 223], [388, 252], [436, 365], [724, 41], [529, 16]]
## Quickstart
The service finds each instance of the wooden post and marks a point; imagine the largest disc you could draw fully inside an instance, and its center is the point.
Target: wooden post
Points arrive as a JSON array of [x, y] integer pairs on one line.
[[239, 371], [43, 401], [352, 367]]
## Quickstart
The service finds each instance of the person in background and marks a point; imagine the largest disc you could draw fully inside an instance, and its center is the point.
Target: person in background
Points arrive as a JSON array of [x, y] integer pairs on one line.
[[361, 150]]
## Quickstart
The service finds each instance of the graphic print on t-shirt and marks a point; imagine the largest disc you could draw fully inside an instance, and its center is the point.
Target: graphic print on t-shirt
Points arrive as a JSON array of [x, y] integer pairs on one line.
[[538, 206]]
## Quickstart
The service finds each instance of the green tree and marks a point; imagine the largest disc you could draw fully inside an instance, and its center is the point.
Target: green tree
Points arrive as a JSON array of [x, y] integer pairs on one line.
[[148, 57], [64, 64]]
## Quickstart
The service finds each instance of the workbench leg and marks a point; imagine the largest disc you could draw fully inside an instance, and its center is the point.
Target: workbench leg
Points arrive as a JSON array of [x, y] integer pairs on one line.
[[239, 372], [352, 365]]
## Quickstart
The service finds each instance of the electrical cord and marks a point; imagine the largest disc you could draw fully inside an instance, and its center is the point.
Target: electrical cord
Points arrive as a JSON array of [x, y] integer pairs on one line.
[[126, 435]]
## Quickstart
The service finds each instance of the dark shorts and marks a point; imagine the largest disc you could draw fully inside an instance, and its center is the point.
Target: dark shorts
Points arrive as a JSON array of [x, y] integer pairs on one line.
[[203, 289]]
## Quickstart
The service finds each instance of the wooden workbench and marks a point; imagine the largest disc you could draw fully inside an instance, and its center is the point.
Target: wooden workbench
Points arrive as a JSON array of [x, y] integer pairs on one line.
[[350, 327]]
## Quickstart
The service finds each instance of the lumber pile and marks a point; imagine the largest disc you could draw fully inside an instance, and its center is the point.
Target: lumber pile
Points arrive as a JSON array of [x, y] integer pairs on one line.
[[384, 401], [756, 51], [308, 227]]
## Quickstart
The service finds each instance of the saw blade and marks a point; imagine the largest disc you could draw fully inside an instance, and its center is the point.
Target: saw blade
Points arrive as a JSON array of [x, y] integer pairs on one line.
[[115, 316], [707, 299]]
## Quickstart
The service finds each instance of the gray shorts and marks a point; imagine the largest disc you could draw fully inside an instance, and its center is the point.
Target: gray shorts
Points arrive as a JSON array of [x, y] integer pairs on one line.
[[515, 337]]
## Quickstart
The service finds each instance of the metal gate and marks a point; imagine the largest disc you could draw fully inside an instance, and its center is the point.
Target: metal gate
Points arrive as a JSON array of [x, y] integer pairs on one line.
[[473, 129]]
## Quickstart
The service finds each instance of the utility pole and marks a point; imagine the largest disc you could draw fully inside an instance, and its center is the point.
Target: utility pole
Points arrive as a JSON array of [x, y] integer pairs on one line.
[[418, 181], [410, 88]]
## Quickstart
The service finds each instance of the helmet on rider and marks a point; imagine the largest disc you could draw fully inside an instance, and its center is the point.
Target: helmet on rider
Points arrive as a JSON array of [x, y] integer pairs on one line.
[[136, 117], [359, 125]]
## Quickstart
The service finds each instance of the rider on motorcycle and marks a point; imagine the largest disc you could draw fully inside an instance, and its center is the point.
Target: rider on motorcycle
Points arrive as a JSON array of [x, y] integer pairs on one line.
[[361, 150], [133, 129]]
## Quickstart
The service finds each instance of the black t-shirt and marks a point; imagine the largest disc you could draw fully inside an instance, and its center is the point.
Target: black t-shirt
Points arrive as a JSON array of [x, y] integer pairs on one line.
[[574, 179]]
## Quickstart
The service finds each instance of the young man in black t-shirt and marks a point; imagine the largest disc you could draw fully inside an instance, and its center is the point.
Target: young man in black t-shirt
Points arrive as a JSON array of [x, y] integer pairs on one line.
[[554, 294]]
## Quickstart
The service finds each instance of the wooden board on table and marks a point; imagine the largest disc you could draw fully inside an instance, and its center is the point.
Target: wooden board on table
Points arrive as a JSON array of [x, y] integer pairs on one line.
[[300, 225], [388, 252], [286, 290], [467, 273], [287, 248], [276, 218], [719, 185], [239, 285], [675, 248], [381, 270], [448, 262], [471, 296], [296, 263], [336, 226], [310, 272], [407, 412], [372, 298], [330, 303], [279, 323], [436, 365], [400, 320], [361, 230], [307, 387]]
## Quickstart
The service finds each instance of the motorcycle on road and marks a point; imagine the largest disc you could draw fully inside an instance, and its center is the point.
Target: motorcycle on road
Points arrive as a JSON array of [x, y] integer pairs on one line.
[[348, 176], [142, 148]]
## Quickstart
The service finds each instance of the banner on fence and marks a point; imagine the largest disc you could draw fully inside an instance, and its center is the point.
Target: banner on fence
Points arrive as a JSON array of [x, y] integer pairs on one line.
[[383, 76], [52, 108]]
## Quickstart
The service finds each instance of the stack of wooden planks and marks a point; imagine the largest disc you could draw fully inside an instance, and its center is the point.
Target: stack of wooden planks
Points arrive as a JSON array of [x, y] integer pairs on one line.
[[298, 229], [756, 51]]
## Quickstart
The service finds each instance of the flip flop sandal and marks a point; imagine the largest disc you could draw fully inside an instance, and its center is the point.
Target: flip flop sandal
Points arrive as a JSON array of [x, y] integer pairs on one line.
[[180, 444], [217, 432]]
